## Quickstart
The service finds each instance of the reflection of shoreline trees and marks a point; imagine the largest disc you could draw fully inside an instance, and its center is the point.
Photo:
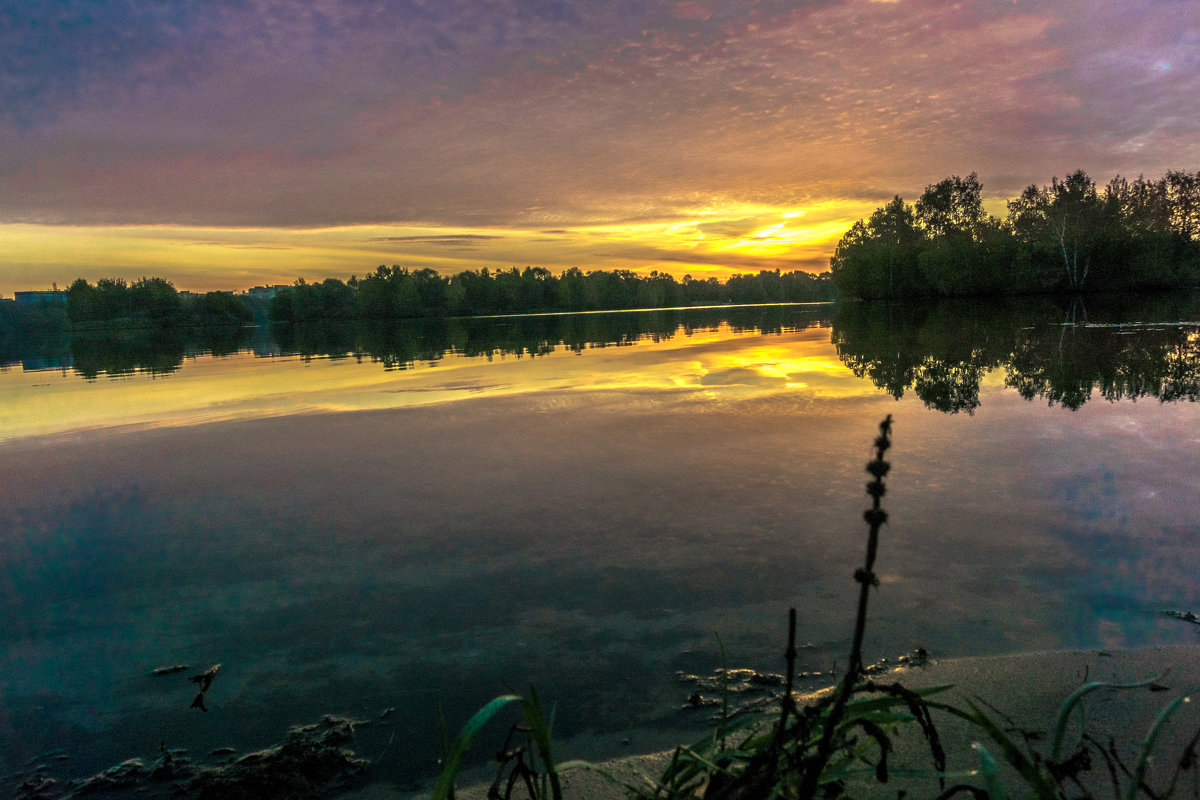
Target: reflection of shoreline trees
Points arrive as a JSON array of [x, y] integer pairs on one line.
[[942, 351], [121, 353], [1067, 366], [404, 343], [396, 344], [32, 333], [127, 351]]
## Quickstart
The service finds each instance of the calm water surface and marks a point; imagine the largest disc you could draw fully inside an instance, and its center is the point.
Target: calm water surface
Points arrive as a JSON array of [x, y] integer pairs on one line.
[[394, 518]]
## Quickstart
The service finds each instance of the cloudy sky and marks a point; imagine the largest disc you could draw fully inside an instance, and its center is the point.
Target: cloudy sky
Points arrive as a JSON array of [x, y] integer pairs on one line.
[[227, 143]]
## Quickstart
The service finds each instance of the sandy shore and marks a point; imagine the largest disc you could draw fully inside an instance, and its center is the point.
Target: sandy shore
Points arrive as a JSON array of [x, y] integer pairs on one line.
[[1029, 689]]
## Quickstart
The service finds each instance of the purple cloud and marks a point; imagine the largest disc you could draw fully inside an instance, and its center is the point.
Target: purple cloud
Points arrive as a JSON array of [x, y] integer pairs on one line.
[[556, 114]]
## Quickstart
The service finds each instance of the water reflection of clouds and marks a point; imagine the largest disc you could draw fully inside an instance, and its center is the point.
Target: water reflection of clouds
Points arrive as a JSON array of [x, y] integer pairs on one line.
[[741, 376], [245, 386], [456, 386], [799, 364], [475, 545]]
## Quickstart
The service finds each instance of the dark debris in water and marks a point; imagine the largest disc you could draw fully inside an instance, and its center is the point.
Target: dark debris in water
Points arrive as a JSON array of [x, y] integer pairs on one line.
[[744, 689], [1186, 616], [168, 670], [917, 658], [748, 689], [313, 762]]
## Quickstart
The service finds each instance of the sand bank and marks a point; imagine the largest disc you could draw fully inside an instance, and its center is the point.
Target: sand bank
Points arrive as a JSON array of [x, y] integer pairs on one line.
[[1029, 689]]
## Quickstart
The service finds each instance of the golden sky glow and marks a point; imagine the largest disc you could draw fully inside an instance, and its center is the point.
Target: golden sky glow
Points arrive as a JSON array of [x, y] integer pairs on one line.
[[223, 145], [710, 242]]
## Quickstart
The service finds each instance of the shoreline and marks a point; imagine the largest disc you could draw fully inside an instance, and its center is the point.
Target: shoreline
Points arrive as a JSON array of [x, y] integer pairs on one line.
[[1021, 692], [1029, 688]]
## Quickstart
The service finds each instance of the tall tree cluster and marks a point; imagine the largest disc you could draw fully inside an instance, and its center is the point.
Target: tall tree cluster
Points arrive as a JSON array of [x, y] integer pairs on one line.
[[1069, 236], [151, 301]]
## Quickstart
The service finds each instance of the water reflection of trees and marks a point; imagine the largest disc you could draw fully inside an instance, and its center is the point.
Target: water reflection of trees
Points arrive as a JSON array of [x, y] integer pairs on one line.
[[121, 352], [1067, 367], [402, 344], [1062, 353], [394, 345], [1065, 354]]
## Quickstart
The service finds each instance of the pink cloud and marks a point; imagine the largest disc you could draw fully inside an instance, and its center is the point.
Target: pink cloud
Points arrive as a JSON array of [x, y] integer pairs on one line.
[[692, 10], [557, 113]]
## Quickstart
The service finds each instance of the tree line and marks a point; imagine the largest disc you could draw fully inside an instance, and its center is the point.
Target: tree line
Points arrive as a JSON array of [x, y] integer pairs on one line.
[[1069, 236], [153, 301], [940, 351], [399, 293]]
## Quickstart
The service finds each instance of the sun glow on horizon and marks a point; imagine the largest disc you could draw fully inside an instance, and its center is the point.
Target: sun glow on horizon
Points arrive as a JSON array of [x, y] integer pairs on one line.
[[716, 240]]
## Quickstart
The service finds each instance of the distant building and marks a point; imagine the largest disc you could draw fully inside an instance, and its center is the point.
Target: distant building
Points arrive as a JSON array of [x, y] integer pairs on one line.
[[45, 297], [265, 292]]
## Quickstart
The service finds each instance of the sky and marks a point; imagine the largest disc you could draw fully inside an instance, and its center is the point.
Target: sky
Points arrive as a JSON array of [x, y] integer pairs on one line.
[[223, 144]]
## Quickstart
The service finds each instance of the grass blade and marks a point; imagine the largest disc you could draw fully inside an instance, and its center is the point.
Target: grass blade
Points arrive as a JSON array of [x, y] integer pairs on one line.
[[444, 789], [991, 775], [1064, 711], [1147, 747]]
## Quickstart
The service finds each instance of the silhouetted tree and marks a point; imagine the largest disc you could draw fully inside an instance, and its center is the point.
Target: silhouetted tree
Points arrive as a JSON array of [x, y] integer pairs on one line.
[[1066, 237], [1183, 197], [952, 207], [878, 258], [82, 301], [219, 308], [155, 299]]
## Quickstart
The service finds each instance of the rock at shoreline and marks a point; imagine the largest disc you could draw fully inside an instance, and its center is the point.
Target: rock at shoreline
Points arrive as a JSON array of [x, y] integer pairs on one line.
[[313, 762]]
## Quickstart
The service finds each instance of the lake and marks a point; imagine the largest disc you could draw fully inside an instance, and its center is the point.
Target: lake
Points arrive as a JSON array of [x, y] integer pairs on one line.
[[375, 521]]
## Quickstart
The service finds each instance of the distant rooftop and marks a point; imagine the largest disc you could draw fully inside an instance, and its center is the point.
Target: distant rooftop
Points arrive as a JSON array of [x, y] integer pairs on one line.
[[32, 297]]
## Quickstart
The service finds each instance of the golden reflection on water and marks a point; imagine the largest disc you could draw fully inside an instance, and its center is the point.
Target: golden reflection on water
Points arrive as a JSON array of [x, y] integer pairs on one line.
[[712, 364]]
